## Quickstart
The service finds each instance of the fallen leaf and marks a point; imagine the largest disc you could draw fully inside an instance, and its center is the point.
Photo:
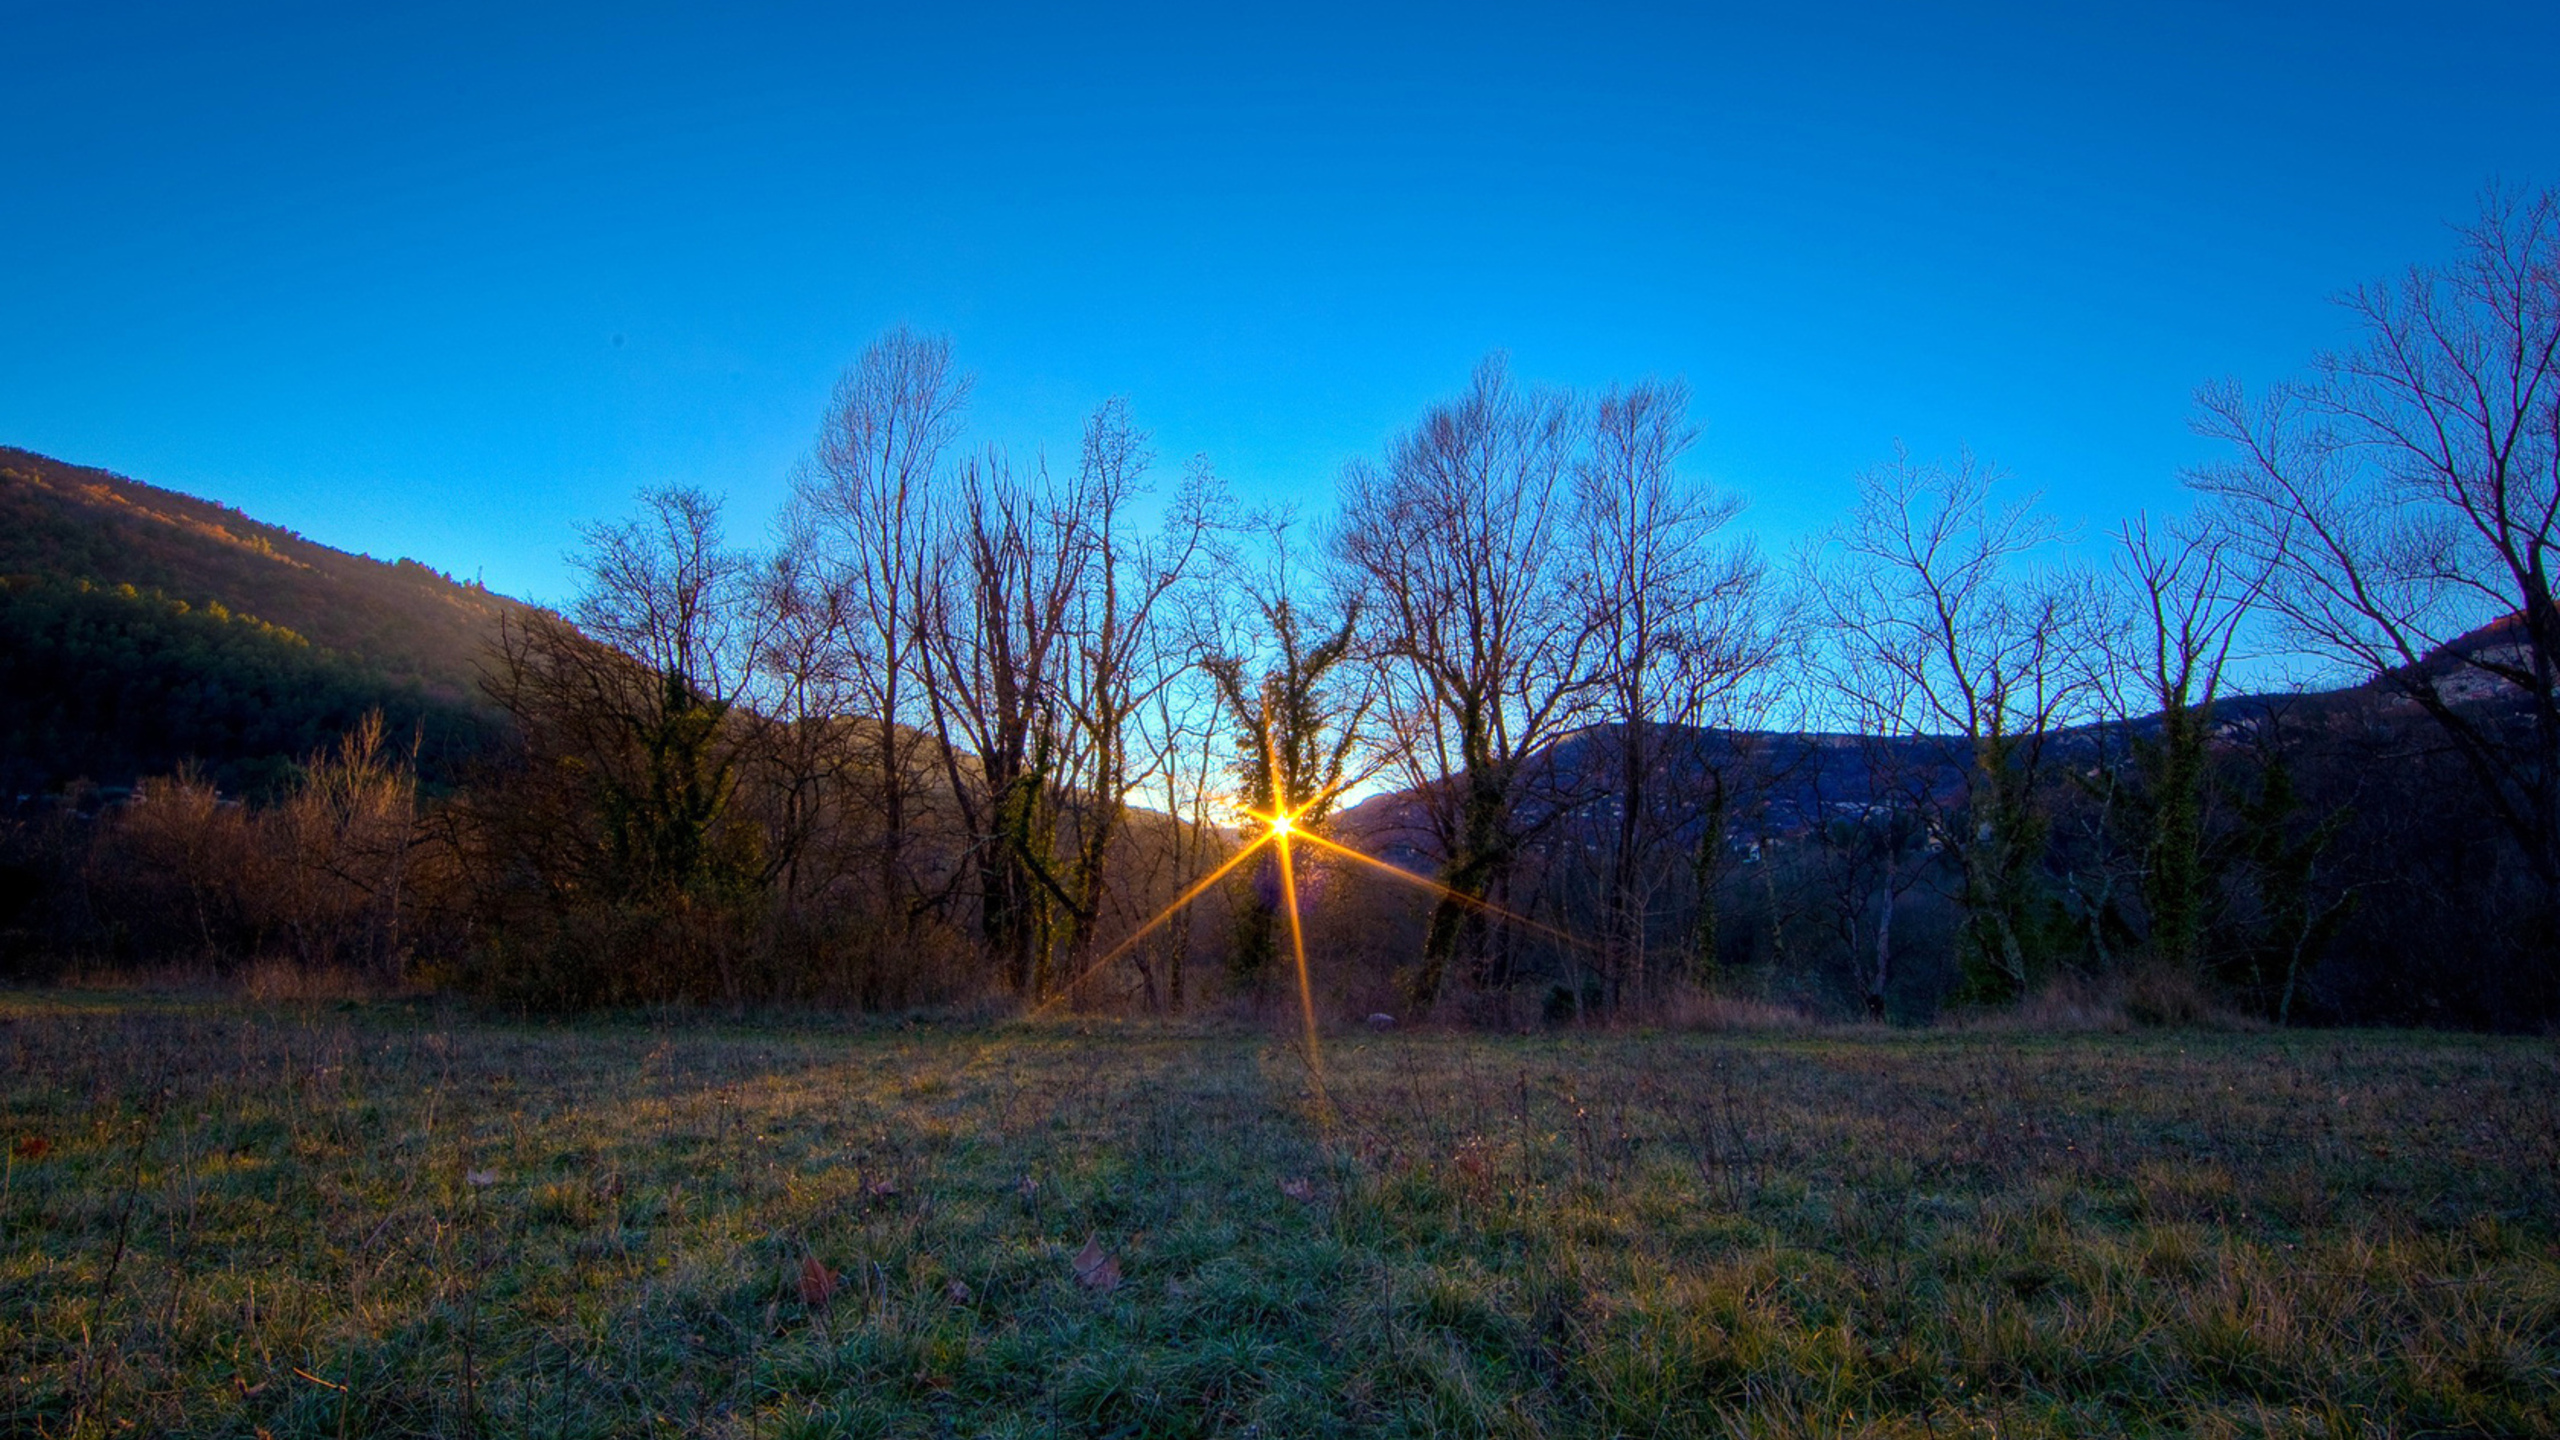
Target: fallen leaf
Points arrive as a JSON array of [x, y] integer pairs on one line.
[[959, 1292], [1298, 1187], [31, 1147], [1095, 1270], [817, 1282]]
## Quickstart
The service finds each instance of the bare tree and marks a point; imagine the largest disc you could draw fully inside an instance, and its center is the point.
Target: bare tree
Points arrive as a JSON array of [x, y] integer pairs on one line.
[[1680, 627], [665, 590], [2183, 593], [803, 702], [1180, 734], [996, 642], [621, 806], [1129, 645], [1936, 635], [1871, 852], [1294, 726], [863, 513], [1474, 616], [2407, 498]]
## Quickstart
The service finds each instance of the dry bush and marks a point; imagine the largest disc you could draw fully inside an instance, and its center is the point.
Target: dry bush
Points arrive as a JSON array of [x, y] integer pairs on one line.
[[277, 981], [2150, 997], [177, 875], [1705, 1010], [340, 853], [2175, 999], [2066, 1004], [180, 876]]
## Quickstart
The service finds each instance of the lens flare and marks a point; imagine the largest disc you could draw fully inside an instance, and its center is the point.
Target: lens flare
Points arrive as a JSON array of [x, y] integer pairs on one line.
[[1176, 907], [1435, 887], [1306, 985], [1282, 827]]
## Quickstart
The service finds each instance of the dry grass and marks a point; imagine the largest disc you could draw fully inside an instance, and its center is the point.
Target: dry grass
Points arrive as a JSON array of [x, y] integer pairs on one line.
[[282, 982], [1705, 1010], [2073, 1004], [223, 1218]]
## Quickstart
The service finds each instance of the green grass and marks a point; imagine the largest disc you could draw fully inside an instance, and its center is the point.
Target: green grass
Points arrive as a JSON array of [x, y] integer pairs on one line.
[[221, 1219]]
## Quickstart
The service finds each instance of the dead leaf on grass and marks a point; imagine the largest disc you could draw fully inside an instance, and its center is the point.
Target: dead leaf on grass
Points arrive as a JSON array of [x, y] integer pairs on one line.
[[817, 1282], [1095, 1270]]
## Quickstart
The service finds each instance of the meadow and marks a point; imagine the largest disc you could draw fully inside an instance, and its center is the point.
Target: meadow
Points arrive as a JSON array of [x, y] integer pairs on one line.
[[223, 1218]]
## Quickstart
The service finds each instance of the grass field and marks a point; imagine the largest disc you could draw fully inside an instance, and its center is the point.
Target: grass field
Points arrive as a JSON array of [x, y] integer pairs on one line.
[[224, 1219]]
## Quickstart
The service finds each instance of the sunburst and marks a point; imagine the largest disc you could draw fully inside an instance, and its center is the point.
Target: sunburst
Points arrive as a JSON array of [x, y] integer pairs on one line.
[[1282, 831]]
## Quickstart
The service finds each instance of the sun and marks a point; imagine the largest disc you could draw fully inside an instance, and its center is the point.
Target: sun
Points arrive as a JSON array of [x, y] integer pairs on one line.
[[1281, 835], [1277, 824]]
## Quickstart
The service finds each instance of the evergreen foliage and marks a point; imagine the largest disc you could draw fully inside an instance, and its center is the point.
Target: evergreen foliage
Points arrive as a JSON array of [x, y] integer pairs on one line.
[[141, 630]]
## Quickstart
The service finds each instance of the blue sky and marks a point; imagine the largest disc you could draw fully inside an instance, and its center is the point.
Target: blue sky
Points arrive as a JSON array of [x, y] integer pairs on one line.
[[446, 282]]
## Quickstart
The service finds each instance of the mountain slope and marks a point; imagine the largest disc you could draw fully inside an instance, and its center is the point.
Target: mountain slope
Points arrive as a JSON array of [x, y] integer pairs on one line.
[[141, 628]]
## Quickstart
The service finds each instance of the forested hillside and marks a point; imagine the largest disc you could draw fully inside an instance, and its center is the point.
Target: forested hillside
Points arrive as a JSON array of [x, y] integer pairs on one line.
[[141, 630]]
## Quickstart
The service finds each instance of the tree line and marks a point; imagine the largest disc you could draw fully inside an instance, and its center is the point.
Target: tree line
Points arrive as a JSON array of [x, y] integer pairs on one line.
[[962, 723]]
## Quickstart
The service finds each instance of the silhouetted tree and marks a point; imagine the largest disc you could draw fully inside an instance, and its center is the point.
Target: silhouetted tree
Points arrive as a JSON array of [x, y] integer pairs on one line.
[[1295, 727], [1473, 613], [2182, 593], [863, 512], [997, 631], [1937, 631], [2407, 499], [1680, 630]]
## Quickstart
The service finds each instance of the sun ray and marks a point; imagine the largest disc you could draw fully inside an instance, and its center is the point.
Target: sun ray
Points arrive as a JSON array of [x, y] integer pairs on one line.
[[1130, 940], [1281, 828], [1435, 887], [1306, 985]]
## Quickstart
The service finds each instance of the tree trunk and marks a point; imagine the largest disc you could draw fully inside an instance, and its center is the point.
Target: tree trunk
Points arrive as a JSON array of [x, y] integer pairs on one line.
[[1468, 880], [1883, 975], [1623, 951]]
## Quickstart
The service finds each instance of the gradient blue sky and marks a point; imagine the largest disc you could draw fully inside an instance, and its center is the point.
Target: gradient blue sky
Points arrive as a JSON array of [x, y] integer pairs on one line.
[[445, 282]]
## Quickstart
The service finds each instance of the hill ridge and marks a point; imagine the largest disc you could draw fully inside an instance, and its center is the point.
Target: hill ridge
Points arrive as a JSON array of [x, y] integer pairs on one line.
[[110, 668]]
